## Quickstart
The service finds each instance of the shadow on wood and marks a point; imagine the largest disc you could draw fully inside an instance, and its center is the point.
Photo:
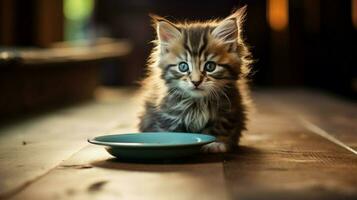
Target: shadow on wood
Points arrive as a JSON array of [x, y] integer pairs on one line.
[[239, 154]]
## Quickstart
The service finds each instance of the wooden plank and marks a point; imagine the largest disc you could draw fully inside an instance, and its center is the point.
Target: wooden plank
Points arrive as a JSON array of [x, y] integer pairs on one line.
[[30, 148], [280, 159], [336, 116], [93, 174]]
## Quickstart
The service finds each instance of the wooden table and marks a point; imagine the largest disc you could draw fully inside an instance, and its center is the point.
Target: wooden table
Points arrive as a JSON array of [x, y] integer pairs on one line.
[[300, 145]]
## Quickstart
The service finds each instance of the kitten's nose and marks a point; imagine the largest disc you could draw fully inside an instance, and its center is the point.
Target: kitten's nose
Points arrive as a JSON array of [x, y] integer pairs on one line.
[[196, 83]]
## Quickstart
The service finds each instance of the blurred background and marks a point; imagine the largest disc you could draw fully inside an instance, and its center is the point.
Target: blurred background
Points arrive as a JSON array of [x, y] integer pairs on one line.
[[58, 52]]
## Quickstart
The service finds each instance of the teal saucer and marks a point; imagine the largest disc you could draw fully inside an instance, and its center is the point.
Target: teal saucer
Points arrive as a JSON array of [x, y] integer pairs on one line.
[[153, 146]]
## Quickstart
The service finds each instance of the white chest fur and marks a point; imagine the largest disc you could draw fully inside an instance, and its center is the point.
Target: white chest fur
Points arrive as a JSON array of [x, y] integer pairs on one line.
[[192, 114], [195, 117]]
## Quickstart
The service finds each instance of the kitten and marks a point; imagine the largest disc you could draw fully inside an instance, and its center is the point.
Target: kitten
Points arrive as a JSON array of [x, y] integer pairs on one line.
[[197, 80]]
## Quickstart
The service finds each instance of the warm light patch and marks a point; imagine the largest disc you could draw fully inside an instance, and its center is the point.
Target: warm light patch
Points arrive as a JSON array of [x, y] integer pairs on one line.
[[278, 14], [354, 13]]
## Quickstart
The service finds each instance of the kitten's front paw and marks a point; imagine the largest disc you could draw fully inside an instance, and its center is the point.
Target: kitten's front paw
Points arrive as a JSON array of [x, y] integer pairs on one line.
[[215, 147]]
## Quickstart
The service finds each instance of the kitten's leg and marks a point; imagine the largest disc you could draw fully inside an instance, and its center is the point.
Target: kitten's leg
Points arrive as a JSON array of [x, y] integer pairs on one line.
[[219, 146], [227, 130], [215, 147], [222, 145], [226, 139]]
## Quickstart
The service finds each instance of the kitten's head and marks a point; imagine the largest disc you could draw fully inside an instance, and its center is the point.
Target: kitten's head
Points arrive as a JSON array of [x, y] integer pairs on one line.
[[201, 59]]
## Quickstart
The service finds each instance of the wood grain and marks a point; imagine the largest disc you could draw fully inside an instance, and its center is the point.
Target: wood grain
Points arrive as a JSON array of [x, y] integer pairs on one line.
[[281, 159], [336, 116], [93, 174], [278, 158], [32, 147]]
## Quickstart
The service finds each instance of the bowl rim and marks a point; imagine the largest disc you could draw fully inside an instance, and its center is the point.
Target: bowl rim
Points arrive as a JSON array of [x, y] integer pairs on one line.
[[207, 140]]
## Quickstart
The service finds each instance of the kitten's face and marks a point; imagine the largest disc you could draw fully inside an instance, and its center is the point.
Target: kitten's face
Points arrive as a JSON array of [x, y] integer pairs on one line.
[[199, 59]]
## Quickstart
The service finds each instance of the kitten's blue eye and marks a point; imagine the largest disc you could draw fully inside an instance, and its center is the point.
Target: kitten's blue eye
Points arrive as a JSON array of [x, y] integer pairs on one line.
[[210, 66], [183, 66]]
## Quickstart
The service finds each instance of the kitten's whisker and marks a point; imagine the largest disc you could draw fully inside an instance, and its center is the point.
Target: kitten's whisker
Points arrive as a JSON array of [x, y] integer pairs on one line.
[[225, 96], [215, 95], [229, 101]]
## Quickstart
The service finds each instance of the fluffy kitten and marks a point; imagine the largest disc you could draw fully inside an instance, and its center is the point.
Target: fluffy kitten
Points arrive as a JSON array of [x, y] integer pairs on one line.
[[196, 80]]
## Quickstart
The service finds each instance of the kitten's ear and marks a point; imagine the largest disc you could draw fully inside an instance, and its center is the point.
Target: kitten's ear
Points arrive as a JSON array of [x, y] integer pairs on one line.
[[228, 30], [166, 31]]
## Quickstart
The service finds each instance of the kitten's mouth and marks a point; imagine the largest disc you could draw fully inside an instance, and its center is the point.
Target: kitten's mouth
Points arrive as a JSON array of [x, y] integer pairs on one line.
[[197, 91]]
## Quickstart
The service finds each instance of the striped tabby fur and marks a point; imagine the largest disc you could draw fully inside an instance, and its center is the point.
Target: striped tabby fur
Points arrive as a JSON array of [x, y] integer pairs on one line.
[[218, 105]]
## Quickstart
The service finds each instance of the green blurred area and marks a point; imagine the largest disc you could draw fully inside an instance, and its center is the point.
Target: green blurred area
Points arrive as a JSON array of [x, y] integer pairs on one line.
[[77, 15]]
